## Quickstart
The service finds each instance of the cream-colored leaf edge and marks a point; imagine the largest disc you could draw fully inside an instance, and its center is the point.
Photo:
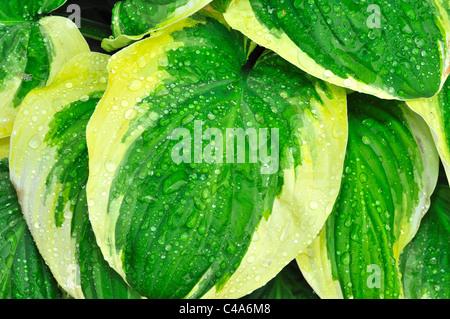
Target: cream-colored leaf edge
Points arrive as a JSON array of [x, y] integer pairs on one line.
[[121, 40], [306, 200], [31, 161], [314, 262], [431, 112]]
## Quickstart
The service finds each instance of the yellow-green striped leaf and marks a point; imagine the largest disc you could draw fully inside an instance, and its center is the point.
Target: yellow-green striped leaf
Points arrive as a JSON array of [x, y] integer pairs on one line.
[[49, 168], [425, 262], [436, 112], [391, 170], [23, 272], [33, 49], [393, 49], [12, 11], [135, 19], [176, 212]]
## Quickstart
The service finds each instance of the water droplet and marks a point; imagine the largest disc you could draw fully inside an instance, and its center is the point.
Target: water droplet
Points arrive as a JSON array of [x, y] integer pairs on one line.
[[363, 177], [34, 142], [366, 140], [348, 221], [432, 261], [84, 98], [348, 82], [354, 235], [110, 166], [130, 114], [192, 220], [313, 204], [136, 85], [9, 261], [368, 122], [206, 193], [142, 62], [174, 182], [328, 74], [10, 236], [232, 248], [345, 258]]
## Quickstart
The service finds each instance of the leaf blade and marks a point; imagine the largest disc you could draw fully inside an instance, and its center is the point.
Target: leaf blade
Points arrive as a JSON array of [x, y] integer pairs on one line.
[[24, 274], [155, 88], [379, 209], [54, 200], [34, 53], [435, 112], [424, 262], [153, 16], [301, 33]]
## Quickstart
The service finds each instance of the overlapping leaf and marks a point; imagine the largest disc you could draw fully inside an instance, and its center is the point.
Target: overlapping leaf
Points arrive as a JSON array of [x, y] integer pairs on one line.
[[14, 11], [391, 170], [392, 49], [425, 262], [436, 112], [49, 168], [177, 217], [32, 50], [220, 5], [23, 272], [134, 19]]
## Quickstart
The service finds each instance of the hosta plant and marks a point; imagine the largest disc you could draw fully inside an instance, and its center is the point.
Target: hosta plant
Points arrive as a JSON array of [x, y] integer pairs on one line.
[[225, 149]]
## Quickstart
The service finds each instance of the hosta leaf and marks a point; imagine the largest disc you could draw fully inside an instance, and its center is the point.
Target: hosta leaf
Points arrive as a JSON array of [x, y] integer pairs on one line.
[[388, 48], [49, 168], [14, 11], [31, 53], [134, 19], [436, 112], [23, 273], [391, 170], [288, 284], [204, 222], [425, 262], [220, 5]]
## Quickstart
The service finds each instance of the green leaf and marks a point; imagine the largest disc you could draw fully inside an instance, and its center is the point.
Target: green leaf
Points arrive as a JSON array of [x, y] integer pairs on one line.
[[436, 112], [49, 168], [391, 170], [288, 284], [391, 49], [220, 5], [179, 219], [32, 50], [23, 272], [15, 11], [135, 19], [425, 262]]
